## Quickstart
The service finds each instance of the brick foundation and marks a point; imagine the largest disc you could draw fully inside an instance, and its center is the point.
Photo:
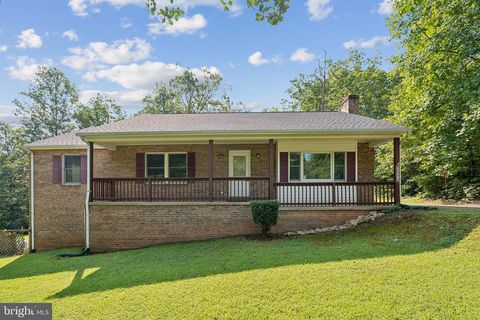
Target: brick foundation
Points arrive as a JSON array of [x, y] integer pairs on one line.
[[112, 226]]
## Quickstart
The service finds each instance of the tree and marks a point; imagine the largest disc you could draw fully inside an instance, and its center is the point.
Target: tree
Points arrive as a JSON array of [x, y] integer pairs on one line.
[[307, 92], [439, 96], [357, 74], [13, 178], [49, 105], [364, 76], [162, 100], [270, 10], [189, 93], [99, 110]]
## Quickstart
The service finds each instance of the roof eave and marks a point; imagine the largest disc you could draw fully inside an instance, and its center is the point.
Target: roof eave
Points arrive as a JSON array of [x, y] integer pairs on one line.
[[54, 147], [399, 131]]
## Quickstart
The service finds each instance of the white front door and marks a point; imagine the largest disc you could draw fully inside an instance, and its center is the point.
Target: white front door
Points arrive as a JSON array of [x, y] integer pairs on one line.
[[239, 167]]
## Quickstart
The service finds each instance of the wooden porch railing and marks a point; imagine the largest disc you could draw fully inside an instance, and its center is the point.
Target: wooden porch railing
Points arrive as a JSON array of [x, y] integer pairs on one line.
[[335, 193], [243, 190], [180, 189]]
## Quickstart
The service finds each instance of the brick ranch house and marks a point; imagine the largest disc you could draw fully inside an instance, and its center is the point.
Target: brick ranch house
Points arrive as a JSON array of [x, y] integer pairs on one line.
[[181, 177]]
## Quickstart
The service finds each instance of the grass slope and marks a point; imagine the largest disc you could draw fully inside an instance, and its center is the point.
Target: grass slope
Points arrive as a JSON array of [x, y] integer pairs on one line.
[[407, 265]]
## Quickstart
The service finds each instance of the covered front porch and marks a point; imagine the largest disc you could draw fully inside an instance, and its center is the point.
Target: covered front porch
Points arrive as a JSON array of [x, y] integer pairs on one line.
[[310, 172]]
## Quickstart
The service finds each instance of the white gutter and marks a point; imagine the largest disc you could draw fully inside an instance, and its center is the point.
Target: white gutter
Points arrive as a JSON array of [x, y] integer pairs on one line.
[[32, 201], [388, 131], [87, 204]]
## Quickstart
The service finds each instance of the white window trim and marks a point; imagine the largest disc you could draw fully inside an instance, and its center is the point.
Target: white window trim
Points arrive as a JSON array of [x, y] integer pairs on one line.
[[344, 166], [301, 166], [332, 166], [166, 167], [63, 170]]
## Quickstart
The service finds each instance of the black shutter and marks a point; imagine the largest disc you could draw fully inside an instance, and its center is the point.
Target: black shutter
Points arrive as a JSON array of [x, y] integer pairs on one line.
[[83, 169], [191, 161], [57, 169], [283, 166], [351, 170]]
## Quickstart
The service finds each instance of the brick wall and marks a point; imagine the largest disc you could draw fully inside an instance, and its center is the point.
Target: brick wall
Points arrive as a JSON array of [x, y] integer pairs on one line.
[[59, 209], [366, 162], [121, 162], [59, 217], [113, 228]]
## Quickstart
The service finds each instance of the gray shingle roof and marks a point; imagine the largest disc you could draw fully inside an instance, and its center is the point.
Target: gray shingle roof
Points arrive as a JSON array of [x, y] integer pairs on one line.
[[245, 122], [64, 140], [225, 123]]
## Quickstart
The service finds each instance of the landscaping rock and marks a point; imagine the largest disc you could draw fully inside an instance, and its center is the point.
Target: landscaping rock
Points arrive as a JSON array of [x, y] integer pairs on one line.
[[371, 216]]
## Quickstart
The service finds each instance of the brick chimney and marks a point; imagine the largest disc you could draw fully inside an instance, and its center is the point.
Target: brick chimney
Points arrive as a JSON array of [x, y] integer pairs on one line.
[[351, 104]]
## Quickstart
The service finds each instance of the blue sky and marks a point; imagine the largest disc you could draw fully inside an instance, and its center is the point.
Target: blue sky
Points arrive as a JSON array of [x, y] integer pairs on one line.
[[115, 47]]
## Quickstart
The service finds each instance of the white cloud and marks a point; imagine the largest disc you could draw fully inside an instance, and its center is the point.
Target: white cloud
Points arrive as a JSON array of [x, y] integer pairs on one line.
[[302, 55], [142, 76], [98, 54], [29, 39], [233, 65], [366, 44], [257, 59], [7, 114], [375, 41], [247, 106], [186, 25], [79, 7], [125, 23], [350, 44], [130, 98], [25, 68], [276, 59], [71, 35], [319, 9], [3, 48], [385, 7]]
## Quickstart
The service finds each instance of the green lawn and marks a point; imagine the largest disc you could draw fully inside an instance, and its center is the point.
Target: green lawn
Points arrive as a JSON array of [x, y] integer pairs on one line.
[[407, 265], [438, 202]]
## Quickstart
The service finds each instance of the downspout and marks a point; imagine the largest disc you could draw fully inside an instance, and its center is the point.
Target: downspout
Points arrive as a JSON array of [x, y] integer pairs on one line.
[[87, 203], [32, 202], [86, 249]]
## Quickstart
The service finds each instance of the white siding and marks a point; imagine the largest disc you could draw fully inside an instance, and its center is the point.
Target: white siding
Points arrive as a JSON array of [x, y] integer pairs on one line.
[[302, 194], [312, 145]]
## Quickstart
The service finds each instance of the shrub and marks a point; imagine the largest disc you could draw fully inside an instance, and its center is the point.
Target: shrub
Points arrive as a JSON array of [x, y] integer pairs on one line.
[[265, 213]]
